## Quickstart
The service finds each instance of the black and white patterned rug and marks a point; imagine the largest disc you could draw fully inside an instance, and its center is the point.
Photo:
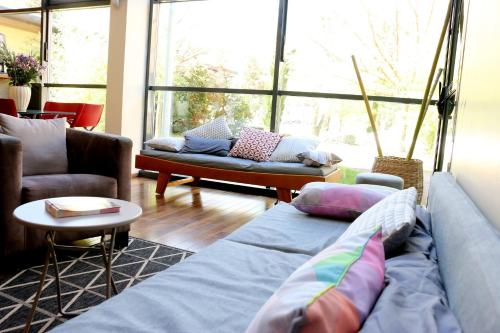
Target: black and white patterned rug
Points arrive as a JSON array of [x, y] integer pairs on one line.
[[82, 283]]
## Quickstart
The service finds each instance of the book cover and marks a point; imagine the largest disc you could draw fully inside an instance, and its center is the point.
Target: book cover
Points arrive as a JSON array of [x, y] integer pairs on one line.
[[69, 207]]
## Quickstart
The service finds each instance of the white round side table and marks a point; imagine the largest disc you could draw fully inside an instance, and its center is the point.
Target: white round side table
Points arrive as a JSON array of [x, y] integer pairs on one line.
[[33, 215]]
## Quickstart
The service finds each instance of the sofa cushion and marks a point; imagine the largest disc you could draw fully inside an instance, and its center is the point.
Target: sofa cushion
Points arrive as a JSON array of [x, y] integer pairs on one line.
[[44, 143], [215, 129], [284, 228], [413, 289], [255, 144], [396, 215], [339, 201], [467, 246], [217, 290], [333, 292], [316, 158], [196, 145], [290, 146], [239, 164], [166, 143], [50, 186]]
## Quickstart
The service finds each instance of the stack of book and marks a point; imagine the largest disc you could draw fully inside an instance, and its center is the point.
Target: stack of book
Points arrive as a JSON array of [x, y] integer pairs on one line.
[[69, 207]]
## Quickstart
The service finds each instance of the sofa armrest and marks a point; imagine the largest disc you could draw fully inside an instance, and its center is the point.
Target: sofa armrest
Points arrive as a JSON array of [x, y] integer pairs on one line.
[[101, 154], [11, 172]]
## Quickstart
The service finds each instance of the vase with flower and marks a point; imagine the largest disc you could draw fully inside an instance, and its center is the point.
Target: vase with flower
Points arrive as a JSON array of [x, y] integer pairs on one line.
[[22, 70]]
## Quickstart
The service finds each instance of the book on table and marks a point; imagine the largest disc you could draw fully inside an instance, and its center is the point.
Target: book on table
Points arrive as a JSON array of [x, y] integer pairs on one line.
[[70, 207]]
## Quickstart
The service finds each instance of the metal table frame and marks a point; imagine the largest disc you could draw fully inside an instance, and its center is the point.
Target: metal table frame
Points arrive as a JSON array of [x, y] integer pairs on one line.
[[107, 257]]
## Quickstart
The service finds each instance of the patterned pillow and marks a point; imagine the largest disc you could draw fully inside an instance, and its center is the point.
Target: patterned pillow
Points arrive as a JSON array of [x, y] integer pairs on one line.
[[332, 292], [255, 144], [167, 143], [316, 158], [216, 129], [396, 215], [339, 201], [290, 146]]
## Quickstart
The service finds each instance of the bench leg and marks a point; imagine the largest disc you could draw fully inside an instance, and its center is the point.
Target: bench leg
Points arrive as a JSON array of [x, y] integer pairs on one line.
[[196, 181], [162, 182], [284, 194]]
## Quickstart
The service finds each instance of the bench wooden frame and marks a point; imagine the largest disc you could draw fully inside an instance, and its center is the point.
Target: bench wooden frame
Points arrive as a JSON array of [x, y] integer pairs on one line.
[[284, 183]]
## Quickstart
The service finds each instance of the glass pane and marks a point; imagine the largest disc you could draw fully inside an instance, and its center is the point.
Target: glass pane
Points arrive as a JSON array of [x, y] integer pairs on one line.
[[344, 128], [81, 95], [216, 43], [394, 42], [16, 4], [176, 112], [79, 50], [21, 32]]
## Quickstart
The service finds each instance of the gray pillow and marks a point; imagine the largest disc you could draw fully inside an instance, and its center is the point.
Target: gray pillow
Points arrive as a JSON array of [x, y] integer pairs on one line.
[[44, 143], [197, 145], [316, 158], [396, 215], [216, 129]]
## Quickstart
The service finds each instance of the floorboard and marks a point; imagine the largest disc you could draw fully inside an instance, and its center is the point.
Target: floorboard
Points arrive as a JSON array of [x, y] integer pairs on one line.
[[192, 218]]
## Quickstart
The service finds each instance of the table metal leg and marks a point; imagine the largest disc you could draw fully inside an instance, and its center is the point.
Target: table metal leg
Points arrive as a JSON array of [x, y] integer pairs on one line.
[[108, 262], [29, 319]]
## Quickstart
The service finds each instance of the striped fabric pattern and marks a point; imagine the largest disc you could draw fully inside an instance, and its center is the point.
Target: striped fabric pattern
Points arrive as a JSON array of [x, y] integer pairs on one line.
[[332, 292]]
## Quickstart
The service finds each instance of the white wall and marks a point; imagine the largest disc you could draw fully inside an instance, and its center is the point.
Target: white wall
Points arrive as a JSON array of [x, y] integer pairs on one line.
[[476, 153], [127, 69]]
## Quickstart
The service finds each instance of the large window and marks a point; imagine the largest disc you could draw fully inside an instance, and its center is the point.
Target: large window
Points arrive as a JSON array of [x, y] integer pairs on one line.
[[78, 56], [285, 65]]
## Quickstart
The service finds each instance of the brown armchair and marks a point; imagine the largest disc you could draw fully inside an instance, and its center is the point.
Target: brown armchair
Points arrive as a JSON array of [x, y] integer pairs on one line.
[[98, 165]]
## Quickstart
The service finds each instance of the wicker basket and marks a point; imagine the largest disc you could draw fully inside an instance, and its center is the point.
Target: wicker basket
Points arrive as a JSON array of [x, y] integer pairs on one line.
[[410, 170]]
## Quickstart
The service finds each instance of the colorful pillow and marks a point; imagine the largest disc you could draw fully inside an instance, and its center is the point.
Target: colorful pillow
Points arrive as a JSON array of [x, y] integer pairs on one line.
[[290, 146], [317, 158], [332, 292], [339, 201], [197, 145], [167, 143], [255, 144], [216, 129], [396, 214]]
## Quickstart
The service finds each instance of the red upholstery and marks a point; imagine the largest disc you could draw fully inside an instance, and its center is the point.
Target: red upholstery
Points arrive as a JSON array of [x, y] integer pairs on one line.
[[63, 107], [89, 116], [8, 107]]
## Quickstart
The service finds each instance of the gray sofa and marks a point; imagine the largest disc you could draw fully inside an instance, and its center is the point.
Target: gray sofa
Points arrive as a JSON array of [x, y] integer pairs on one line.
[[449, 265]]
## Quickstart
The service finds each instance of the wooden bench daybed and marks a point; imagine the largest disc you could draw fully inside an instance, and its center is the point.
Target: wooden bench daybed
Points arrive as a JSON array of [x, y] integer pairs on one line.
[[285, 177]]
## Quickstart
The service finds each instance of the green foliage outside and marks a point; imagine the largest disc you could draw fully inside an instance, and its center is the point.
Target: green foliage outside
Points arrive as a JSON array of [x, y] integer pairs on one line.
[[349, 175]]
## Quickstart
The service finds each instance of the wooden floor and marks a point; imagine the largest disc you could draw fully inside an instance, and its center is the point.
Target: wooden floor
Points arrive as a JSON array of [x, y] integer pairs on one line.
[[191, 218]]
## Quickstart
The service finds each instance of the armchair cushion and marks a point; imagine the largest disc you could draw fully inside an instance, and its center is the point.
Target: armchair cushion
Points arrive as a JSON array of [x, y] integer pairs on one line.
[[47, 186], [44, 143]]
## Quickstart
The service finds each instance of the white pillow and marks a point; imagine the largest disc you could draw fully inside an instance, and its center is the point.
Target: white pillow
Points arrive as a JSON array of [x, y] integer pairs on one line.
[[317, 158], [167, 143], [396, 215], [290, 146], [216, 129]]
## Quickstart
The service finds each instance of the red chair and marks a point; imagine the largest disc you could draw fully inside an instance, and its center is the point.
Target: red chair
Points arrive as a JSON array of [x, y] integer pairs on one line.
[[8, 107], [73, 109], [89, 116]]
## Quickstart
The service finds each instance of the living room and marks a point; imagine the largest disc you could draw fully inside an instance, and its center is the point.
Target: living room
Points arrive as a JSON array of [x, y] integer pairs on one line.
[[240, 162]]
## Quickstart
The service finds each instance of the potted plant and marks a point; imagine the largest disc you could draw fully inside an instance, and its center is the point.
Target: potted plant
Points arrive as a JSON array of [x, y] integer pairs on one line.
[[22, 70]]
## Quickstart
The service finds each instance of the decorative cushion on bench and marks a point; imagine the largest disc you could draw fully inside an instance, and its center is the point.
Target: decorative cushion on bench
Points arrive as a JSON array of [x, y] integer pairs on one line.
[[216, 129], [255, 144], [290, 146], [197, 145], [168, 143]]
